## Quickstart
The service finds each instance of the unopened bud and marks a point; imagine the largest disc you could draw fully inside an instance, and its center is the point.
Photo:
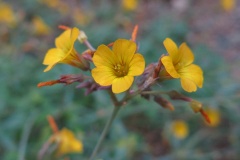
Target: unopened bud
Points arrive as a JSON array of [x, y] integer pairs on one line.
[[196, 106], [178, 96], [82, 36], [157, 68], [83, 63], [163, 102], [90, 86], [146, 79], [88, 54]]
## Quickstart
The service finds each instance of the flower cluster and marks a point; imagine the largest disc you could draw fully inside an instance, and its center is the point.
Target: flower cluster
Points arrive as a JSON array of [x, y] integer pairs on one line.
[[117, 64]]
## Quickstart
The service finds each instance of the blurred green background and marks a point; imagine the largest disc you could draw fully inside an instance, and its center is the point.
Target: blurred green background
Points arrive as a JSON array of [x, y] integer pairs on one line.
[[143, 130]]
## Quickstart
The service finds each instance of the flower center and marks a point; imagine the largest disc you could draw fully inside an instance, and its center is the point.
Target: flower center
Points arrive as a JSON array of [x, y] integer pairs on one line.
[[120, 70], [179, 65]]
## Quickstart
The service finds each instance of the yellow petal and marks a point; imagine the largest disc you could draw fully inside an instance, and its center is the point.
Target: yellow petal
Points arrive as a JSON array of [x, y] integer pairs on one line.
[[66, 40], [52, 57], [168, 64], [172, 49], [137, 65], [194, 73], [63, 41], [124, 50], [48, 68], [188, 85], [122, 84], [74, 34], [103, 75], [104, 57], [186, 55]]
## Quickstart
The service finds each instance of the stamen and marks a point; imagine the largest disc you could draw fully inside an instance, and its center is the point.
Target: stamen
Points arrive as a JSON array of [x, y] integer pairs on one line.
[[121, 70]]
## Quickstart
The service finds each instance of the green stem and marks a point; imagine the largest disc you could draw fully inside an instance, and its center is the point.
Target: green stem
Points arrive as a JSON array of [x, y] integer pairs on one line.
[[106, 128], [114, 98], [25, 136]]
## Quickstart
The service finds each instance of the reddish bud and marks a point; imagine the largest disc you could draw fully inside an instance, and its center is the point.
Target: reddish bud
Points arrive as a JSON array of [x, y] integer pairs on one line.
[[52, 123], [63, 27], [48, 83], [164, 103], [205, 116], [134, 33]]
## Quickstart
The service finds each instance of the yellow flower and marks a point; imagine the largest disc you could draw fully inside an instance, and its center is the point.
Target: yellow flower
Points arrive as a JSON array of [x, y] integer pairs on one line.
[[6, 14], [179, 65], [66, 142], [179, 129], [129, 5], [214, 116], [65, 52], [118, 66], [228, 5], [57, 4], [40, 27], [80, 17]]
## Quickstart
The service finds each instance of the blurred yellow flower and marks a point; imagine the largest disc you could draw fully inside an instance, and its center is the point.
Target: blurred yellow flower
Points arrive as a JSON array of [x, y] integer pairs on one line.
[[66, 142], [40, 27], [129, 5], [7, 14], [118, 66], [228, 5], [179, 65], [81, 17], [179, 129], [214, 116], [57, 4], [65, 52]]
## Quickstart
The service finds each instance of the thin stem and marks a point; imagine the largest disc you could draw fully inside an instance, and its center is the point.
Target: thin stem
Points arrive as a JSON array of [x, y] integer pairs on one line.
[[105, 130], [154, 92], [129, 96], [114, 98], [86, 42], [25, 135]]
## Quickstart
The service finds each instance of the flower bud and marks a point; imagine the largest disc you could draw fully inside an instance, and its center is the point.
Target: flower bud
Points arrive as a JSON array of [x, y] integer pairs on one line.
[[82, 36], [196, 106], [178, 96], [163, 102]]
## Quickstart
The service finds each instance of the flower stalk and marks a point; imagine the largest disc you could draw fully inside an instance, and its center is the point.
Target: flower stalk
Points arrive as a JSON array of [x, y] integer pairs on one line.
[[105, 131]]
